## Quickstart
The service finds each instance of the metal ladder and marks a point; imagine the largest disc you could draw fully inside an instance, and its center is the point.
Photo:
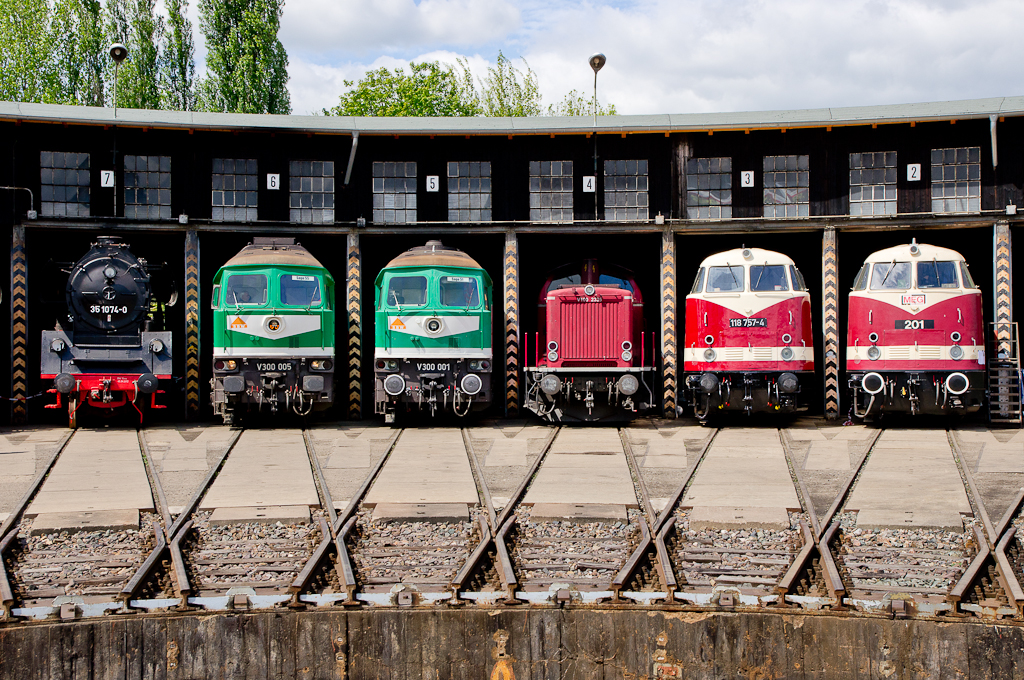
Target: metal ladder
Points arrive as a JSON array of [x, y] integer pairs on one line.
[[1004, 375]]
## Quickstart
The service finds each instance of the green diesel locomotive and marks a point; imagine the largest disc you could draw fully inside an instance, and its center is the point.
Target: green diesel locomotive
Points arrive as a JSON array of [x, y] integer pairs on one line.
[[432, 331], [273, 331]]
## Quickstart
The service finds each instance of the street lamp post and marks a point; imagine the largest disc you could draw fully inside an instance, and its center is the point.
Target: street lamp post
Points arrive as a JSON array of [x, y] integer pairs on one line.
[[596, 62], [118, 52]]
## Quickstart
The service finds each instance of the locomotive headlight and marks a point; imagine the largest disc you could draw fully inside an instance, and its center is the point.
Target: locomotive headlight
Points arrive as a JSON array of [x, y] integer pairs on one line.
[[787, 338], [552, 356], [626, 344], [708, 382], [626, 355], [321, 364], [628, 384], [228, 365], [709, 354], [394, 385], [552, 346], [481, 365], [954, 336], [589, 289], [872, 383], [709, 339], [433, 325], [550, 384], [873, 337], [471, 384], [156, 346], [786, 353], [956, 352], [957, 383], [788, 383], [57, 345], [109, 272], [874, 353]]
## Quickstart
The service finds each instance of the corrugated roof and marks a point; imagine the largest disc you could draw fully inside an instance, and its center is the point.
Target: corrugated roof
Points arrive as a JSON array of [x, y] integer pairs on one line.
[[668, 122]]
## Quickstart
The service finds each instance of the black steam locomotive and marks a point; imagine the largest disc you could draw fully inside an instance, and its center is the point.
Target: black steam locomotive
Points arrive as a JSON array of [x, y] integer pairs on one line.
[[109, 357]]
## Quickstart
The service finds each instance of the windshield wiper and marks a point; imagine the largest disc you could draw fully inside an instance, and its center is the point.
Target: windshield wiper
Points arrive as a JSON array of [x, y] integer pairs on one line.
[[892, 265], [760, 275], [729, 267], [316, 289], [394, 296]]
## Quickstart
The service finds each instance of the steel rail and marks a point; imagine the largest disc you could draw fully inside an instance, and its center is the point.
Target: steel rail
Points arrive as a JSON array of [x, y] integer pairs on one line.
[[833, 579], [665, 569], [478, 477], [6, 592], [353, 505], [1011, 513], [677, 496], [798, 566], [624, 574], [475, 557], [154, 481], [634, 468], [959, 591], [1009, 576], [847, 486], [303, 578], [520, 492], [130, 589], [806, 502], [182, 586], [15, 517], [321, 481], [977, 504], [197, 497]]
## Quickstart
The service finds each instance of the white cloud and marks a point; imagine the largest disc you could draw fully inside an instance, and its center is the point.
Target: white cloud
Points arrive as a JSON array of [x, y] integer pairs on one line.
[[682, 56]]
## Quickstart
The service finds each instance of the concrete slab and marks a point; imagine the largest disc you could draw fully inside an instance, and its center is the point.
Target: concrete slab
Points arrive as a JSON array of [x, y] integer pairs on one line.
[[911, 481], [578, 512], [731, 517], [71, 522], [183, 464], [266, 467], [266, 514], [828, 455], [98, 470], [804, 435], [744, 468], [426, 466], [4, 516], [17, 463], [584, 466], [421, 512], [503, 452], [996, 457]]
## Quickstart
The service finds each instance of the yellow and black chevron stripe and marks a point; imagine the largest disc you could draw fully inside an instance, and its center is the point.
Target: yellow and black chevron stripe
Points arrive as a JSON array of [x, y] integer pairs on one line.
[[19, 326], [830, 320], [355, 329], [668, 322], [511, 325], [1004, 301], [191, 323]]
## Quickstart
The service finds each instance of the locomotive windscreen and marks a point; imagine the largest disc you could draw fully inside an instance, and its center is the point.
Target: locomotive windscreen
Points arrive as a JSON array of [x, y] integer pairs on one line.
[[108, 291]]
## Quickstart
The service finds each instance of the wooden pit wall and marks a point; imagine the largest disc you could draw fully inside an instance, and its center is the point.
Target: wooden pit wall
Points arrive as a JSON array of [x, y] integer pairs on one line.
[[802, 239], [522, 643]]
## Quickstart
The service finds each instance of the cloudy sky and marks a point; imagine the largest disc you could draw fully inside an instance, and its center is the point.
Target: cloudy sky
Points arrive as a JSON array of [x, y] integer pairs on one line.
[[675, 56]]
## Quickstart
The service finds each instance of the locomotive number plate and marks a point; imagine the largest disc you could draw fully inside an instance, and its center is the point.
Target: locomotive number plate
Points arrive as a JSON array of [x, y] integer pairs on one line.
[[914, 324], [108, 309], [433, 367], [588, 298], [759, 322], [274, 367]]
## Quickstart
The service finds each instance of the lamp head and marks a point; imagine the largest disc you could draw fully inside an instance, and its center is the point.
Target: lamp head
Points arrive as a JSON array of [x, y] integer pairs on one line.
[[597, 61], [118, 52]]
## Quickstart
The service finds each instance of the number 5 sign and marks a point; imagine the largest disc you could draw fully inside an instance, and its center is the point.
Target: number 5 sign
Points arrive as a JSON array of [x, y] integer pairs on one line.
[[433, 182]]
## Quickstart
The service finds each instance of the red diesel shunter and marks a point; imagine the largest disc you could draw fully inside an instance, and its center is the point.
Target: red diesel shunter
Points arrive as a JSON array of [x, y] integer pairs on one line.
[[748, 344], [592, 360], [915, 341]]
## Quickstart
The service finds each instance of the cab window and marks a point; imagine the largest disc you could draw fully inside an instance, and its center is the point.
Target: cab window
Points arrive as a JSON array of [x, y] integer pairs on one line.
[[798, 278], [725, 279], [768, 277], [246, 289], [890, 276], [609, 280], [966, 274], [407, 290], [861, 282], [698, 282], [936, 274], [459, 291], [564, 282], [299, 290]]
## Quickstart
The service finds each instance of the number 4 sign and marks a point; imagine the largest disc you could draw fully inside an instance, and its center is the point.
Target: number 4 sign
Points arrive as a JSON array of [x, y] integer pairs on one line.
[[590, 184]]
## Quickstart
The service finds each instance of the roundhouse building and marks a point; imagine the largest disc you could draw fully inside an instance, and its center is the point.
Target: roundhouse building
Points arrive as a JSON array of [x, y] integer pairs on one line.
[[656, 194]]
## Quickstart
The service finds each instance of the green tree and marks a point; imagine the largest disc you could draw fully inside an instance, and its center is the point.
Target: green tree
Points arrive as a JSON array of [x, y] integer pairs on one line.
[[576, 104], [177, 60], [429, 89], [79, 52], [507, 91], [136, 24], [27, 72], [247, 66]]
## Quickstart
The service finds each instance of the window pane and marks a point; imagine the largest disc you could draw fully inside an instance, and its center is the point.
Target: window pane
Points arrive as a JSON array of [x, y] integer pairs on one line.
[[936, 274], [890, 276], [407, 290], [459, 291], [725, 279], [300, 290], [698, 282], [765, 278], [246, 289]]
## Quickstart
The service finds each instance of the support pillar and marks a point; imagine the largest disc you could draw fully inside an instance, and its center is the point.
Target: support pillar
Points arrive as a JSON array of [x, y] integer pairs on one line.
[[19, 326], [830, 320], [1003, 312], [668, 322], [511, 291], [191, 324], [1004, 386], [354, 302]]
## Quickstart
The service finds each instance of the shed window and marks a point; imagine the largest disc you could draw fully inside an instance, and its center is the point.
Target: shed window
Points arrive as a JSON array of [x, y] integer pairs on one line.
[[768, 277], [890, 276], [394, 193], [64, 179], [786, 186], [956, 180], [469, 191], [625, 190], [725, 279], [551, 191], [246, 289], [935, 274], [873, 183], [407, 290], [147, 187], [311, 192], [300, 290], [709, 188], [235, 191]]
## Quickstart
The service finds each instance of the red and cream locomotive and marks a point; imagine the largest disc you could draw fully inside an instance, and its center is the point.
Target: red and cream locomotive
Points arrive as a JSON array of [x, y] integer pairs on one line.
[[915, 341], [748, 343], [592, 359]]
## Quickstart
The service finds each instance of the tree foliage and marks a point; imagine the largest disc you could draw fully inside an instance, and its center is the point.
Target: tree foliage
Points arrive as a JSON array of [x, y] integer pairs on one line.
[[507, 91], [246, 63], [136, 24], [428, 89], [177, 60], [577, 104]]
